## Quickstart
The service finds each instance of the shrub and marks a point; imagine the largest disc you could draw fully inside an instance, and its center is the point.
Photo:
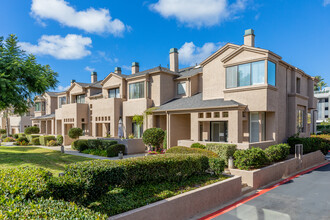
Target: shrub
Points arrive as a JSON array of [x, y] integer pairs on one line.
[[100, 174], [165, 140], [23, 183], [22, 141], [188, 150], [277, 152], [95, 144], [3, 136], [102, 153], [113, 150], [224, 151], [154, 137], [15, 136], [52, 143], [198, 145], [81, 145], [250, 159], [59, 139], [310, 144], [31, 136], [217, 165], [21, 135], [44, 139], [9, 139], [75, 133], [35, 141], [32, 130], [46, 209], [131, 136], [3, 131]]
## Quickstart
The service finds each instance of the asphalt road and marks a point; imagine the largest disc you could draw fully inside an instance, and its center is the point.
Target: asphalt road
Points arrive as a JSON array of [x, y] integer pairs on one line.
[[305, 197]]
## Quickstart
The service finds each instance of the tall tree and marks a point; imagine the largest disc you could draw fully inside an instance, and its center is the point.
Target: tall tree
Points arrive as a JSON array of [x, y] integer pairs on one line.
[[21, 77], [319, 86]]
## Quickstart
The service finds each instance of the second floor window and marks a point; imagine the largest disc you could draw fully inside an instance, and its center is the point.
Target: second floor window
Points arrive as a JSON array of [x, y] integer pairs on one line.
[[62, 102], [136, 90], [182, 88], [298, 85], [114, 93], [245, 74], [39, 106], [80, 99]]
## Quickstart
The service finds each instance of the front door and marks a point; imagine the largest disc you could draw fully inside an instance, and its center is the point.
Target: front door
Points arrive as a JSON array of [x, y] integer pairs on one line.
[[219, 131]]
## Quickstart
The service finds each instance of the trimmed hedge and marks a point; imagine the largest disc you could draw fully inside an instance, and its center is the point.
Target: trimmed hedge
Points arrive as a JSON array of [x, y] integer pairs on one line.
[[98, 175], [21, 135], [113, 150], [59, 139], [198, 145], [32, 130], [188, 150], [100, 144], [31, 136], [277, 152], [310, 144], [46, 209], [75, 133], [81, 145], [224, 151], [217, 165], [35, 141], [45, 139], [250, 159]]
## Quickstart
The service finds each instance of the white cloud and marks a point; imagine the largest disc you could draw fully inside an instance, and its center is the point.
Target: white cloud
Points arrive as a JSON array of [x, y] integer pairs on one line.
[[326, 2], [70, 47], [90, 20], [189, 54], [198, 13], [62, 88], [89, 69]]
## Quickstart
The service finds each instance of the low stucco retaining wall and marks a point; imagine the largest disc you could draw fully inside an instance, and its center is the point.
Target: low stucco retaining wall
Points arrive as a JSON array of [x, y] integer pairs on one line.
[[187, 204], [266, 175], [241, 146]]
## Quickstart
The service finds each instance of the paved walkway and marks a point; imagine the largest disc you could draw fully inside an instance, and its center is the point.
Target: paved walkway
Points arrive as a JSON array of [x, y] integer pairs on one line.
[[303, 197], [69, 150]]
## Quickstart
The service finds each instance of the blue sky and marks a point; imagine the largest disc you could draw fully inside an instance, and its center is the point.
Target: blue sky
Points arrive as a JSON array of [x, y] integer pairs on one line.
[[77, 36]]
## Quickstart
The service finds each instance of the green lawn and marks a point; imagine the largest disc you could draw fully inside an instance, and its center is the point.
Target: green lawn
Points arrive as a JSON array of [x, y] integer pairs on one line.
[[21, 156]]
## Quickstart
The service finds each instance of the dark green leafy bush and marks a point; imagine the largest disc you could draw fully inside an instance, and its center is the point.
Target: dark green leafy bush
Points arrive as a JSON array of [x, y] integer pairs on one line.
[[198, 145], [59, 139], [95, 144], [23, 183], [224, 151], [102, 153], [107, 143], [35, 141], [46, 209], [310, 144], [165, 140], [21, 135], [113, 150], [250, 159], [153, 137], [3, 136], [75, 133], [31, 136], [3, 131], [81, 145], [188, 150], [15, 136], [32, 130], [22, 141], [45, 139], [74, 145], [100, 174], [217, 165], [277, 152]]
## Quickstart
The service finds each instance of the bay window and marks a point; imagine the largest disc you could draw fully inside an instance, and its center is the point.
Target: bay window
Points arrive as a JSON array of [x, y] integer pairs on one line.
[[136, 90], [271, 73]]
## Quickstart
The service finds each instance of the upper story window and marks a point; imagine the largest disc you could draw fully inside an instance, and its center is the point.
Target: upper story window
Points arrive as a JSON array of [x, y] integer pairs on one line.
[[271, 73], [245, 74], [298, 85], [182, 88], [62, 101], [136, 90], [39, 106], [114, 93], [80, 99]]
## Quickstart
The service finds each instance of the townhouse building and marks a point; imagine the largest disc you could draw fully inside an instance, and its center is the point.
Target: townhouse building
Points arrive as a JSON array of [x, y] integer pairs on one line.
[[241, 94], [17, 123], [323, 97]]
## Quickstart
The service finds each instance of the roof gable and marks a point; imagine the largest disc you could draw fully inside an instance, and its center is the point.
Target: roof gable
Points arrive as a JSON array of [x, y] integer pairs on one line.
[[218, 53]]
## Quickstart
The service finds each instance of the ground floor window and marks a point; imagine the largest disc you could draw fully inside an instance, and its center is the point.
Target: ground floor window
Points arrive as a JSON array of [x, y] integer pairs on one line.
[[137, 129], [219, 131], [257, 126], [301, 120]]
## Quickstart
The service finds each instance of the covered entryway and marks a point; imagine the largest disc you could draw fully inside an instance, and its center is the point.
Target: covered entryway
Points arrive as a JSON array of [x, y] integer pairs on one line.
[[178, 128]]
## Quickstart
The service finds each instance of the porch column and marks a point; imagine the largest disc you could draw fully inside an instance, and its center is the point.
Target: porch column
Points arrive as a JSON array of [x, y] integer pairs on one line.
[[235, 127]]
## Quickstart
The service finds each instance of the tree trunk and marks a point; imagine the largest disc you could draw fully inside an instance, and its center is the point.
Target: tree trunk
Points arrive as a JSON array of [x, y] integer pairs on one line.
[[7, 122]]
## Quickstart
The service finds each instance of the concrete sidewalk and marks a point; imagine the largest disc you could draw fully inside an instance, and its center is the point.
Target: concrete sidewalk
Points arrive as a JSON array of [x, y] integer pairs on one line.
[[69, 150]]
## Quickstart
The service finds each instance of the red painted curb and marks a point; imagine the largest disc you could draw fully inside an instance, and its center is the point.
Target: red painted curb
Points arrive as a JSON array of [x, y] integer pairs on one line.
[[242, 201]]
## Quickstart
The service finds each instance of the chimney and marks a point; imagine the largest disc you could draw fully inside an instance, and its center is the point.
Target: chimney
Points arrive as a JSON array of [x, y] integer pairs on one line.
[[174, 60], [94, 77], [249, 37], [118, 70], [73, 81], [135, 67]]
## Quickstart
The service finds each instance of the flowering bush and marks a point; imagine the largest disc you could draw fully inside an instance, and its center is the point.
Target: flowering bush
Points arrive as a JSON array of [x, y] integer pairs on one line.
[[22, 143], [152, 152]]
